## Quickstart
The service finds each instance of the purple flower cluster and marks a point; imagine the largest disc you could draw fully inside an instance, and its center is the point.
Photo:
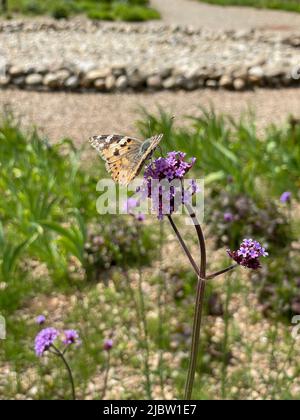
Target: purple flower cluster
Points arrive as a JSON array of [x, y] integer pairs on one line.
[[44, 340], [248, 254], [228, 217], [40, 320], [108, 344], [286, 197], [163, 183], [172, 167], [71, 337], [130, 208]]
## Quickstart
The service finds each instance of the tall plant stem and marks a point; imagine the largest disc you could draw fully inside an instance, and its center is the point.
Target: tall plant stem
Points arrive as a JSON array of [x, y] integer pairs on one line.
[[162, 304], [185, 248], [106, 375], [145, 325], [225, 341], [198, 307], [201, 274], [146, 338], [62, 356]]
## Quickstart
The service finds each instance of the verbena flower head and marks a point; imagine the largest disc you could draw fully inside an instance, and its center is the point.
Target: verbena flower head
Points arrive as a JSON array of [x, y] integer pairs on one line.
[[130, 207], [71, 337], [286, 197], [172, 167], [40, 320], [228, 217], [248, 254], [159, 174], [108, 344], [44, 340]]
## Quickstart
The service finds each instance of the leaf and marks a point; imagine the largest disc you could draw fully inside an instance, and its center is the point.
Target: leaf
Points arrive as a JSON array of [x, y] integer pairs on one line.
[[11, 255], [213, 177], [226, 152], [71, 238], [2, 240]]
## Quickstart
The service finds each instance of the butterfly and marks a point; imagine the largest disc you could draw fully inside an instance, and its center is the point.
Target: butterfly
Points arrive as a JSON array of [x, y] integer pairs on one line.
[[124, 156]]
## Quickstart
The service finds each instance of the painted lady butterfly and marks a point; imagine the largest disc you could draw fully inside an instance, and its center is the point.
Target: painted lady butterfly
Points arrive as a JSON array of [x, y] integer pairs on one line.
[[124, 156]]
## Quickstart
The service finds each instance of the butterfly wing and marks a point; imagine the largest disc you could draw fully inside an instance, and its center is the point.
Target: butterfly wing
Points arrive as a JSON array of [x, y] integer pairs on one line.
[[141, 158], [124, 156], [117, 151]]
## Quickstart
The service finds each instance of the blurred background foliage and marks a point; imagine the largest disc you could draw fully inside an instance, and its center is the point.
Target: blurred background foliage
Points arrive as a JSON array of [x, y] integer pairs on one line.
[[127, 10], [288, 5]]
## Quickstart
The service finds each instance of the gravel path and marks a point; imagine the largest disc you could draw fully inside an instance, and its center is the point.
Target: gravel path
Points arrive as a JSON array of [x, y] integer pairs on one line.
[[80, 115], [192, 12]]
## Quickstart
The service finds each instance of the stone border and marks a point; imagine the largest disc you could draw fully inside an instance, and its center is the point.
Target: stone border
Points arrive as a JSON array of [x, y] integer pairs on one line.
[[118, 78]]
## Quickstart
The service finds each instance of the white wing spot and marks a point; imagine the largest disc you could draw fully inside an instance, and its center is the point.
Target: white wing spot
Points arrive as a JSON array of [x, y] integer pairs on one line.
[[108, 139], [123, 140]]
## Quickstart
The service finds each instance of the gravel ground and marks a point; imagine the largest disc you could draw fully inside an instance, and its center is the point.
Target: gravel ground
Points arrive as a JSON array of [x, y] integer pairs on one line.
[[80, 115], [192, 12]]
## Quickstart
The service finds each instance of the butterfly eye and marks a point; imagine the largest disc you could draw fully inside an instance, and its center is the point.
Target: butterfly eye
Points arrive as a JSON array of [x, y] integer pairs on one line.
[[145, 146]]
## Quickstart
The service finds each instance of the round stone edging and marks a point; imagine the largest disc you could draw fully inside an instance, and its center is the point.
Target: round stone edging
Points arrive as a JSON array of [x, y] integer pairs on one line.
[[129, 77]]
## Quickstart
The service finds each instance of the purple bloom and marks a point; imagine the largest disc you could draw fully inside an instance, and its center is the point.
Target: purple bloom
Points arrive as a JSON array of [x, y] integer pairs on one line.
[[130, 207], [44, 340], [164, 183], [228, 217], [108, 344], [140, 217], [40, 320], [248, 254], [286, 197], [71, 337], [171, 167]]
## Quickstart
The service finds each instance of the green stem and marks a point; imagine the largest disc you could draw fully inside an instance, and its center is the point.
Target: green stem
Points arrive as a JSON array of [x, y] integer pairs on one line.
[[106, 375], [145, 327], [198, 307], [161, 313], [225, 342], [201, 274], [218, 273], [146, 339], [185, 248], [61, 355]]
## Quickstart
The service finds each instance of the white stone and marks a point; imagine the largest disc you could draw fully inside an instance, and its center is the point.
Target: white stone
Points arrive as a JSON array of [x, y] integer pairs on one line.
[[93, 75], [212, 83], [122, 83], [51, 80], [72, 82], [226, 81], [256, 73], [100, 84], [239, 84], [34, 80], [4, 81], [154, 82], [110, 83], [169, 83], [16, 71]]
